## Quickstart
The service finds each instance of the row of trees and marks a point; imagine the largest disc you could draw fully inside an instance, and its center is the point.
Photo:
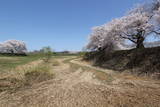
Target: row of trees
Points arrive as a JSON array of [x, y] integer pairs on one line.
[[138, 24]]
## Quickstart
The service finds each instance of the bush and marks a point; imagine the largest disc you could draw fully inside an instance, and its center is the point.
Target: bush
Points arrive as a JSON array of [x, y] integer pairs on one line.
[[47, 51]]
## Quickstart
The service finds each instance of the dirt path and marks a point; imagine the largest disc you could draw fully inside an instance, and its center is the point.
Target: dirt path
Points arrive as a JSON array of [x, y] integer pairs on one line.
[[79, 88], [77, 61], [132, 79]]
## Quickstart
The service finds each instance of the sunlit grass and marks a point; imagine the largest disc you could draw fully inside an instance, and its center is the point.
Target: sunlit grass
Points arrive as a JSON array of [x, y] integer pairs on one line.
[[10, 62], [26, 75]]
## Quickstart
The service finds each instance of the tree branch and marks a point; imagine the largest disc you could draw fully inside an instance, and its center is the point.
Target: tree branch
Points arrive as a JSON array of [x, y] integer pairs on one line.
[[128, 39], [158, 33]]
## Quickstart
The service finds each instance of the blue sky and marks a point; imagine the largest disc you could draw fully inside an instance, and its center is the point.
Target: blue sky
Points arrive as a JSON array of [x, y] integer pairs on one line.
[[61, 24]]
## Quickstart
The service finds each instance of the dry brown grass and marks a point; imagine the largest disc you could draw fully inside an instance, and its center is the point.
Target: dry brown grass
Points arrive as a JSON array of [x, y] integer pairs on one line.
[[25, 75], [55, 63], [78, 86], [103, 76]]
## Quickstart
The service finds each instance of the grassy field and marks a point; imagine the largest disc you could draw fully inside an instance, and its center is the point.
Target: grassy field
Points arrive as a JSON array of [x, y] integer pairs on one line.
[[10, 62], [20, 71], [17, 72]]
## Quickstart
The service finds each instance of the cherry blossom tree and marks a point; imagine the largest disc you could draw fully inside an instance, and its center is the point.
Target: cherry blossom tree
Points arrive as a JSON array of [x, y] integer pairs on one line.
[[140, 22], [13, 46], [99, 40]]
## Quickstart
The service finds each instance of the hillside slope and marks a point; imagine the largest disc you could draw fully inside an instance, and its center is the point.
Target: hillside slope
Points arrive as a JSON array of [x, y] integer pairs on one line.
[[142, 61]]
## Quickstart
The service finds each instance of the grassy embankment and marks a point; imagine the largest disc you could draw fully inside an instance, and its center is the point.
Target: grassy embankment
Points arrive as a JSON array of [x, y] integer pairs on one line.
[[145, 62]]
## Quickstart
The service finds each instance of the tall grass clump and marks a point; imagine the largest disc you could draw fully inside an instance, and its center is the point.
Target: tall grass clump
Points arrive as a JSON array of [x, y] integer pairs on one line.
[[26, 76], [38, 74]]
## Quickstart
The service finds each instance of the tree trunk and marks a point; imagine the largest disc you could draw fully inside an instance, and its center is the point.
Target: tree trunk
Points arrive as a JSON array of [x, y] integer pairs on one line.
[[140, 41], [140, 45]]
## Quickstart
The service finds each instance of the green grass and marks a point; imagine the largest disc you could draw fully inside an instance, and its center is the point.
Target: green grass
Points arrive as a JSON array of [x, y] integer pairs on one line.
[[9, 62], [65, 54]]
